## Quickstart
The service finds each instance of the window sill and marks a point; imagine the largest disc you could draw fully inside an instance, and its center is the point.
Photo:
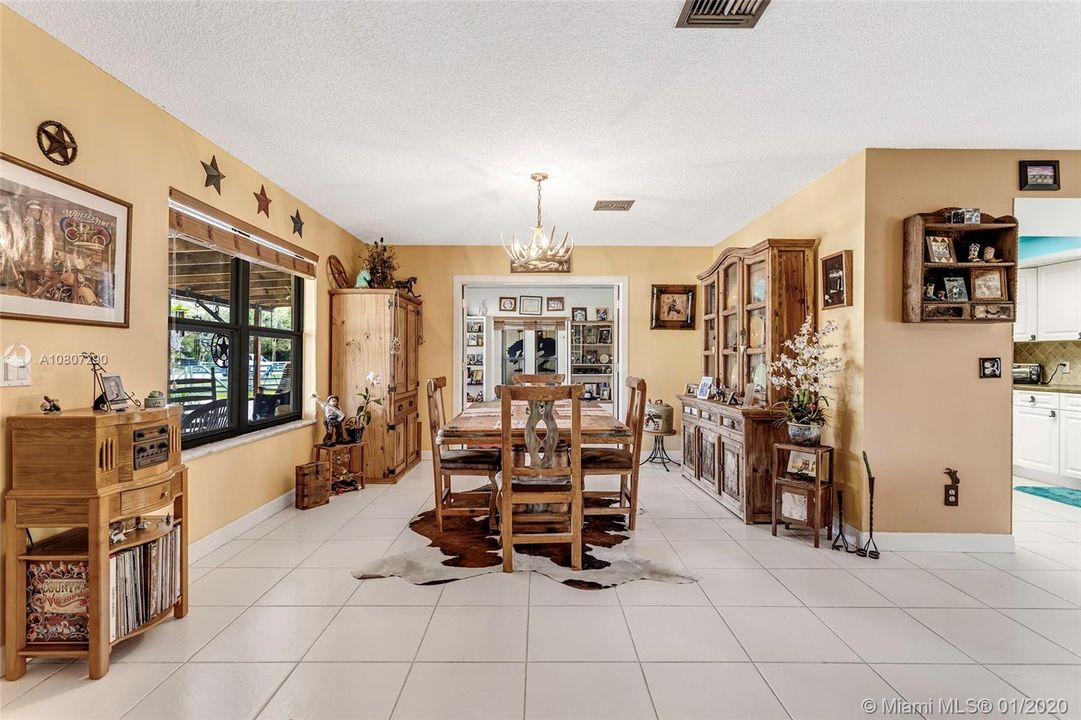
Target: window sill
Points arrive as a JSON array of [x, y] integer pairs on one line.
[[234, 442]]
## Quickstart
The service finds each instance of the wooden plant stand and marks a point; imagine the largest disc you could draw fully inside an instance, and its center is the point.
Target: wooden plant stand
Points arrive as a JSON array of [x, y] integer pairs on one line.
[[798, 500], [346, 464]]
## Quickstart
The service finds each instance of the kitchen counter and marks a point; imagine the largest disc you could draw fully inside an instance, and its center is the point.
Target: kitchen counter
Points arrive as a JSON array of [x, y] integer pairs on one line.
[[1070, 389]]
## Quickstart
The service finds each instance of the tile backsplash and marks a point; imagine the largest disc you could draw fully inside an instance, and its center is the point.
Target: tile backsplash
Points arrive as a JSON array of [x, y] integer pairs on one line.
[[1049, 354]]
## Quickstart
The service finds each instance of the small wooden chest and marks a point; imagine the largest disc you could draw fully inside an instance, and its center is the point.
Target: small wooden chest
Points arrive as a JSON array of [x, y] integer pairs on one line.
[[313, 485]]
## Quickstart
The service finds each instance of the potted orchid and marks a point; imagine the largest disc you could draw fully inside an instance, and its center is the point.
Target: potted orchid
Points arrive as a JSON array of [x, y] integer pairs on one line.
[[804, 369], [365, 402]]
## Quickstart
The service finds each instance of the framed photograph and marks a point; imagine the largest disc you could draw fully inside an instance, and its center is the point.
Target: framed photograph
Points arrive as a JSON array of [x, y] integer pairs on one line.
[[590, 390], [554, 304], [691, 389], [704, 386], [508, 304], [65, 249], [1038, 174], [474, 359], [604, 336], [474, 326], [990, 367], [578, 314], [837, 280], [956, 291], [992, 311], [606, 392], [673, 307], [989, 284], [476, 376], [801, 463], [940, 249], [530, 305], [472, 340], [602, 314], [114, 392]]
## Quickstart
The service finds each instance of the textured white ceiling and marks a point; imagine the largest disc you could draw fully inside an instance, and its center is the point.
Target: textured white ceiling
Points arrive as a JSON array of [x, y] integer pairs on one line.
[[421, 121]]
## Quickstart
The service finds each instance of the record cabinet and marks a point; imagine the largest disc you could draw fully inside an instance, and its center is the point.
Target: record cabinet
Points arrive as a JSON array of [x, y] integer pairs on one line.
[[79, 592]]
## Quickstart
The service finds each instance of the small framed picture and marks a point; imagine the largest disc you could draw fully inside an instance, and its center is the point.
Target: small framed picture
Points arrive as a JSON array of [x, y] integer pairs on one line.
[[990, 367], [578, 314], [474, 326], [473, 340], [989, 284], [602, 314], [1038, 174], [704, 386], [802, 463], [508, 304], [673, 307], [476, 376], [474, 359], [604, 336], [115, 395], [590, 390], [836, 280], [691, 389], [606, 392], [530, 305], [956, 291], [554, 304], [940, 250]]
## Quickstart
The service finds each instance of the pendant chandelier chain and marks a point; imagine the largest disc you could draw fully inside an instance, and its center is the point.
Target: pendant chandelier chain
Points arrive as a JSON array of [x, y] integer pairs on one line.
[[539, 203]]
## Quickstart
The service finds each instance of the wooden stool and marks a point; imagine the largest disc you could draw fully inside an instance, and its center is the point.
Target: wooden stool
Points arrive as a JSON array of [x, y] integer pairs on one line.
[[658, 454], [798, 499], [346, 464]]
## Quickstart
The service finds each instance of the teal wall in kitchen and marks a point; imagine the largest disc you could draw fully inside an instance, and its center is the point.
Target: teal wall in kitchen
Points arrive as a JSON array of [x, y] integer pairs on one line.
[[1031, 246]]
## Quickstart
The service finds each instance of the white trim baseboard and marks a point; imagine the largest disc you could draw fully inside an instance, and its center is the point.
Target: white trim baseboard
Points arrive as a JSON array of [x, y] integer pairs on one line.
[[1045, 477], [209, 543], [934, 542]]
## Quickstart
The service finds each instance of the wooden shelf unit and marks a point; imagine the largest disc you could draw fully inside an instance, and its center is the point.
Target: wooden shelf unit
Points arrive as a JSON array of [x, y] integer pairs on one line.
[[919, 271], [591, 329], [93, 481]]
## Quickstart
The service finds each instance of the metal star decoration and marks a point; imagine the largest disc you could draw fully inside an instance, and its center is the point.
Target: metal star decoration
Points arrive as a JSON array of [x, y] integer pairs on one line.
[[298, 224], [213, 175], [57, 143], [263, 201]]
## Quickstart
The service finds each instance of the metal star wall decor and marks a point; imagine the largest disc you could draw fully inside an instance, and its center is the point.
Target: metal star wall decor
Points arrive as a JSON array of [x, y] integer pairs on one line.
[[57, 143], [298, 224], [263, 201], [214, 176]]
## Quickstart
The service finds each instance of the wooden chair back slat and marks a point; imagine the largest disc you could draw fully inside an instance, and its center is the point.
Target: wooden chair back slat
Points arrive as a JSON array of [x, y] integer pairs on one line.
[[542, 379], [636, 411]]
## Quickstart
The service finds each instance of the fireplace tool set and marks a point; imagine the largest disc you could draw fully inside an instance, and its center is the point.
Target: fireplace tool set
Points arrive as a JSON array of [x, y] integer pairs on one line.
[[870, 548]]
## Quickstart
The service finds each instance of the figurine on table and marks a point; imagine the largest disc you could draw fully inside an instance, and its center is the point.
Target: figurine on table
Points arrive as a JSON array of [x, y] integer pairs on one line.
[[332, 420], [50, 405]]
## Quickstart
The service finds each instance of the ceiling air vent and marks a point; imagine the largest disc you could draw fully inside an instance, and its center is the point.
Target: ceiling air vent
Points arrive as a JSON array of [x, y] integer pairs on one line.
[[721, 13], [616, 205]]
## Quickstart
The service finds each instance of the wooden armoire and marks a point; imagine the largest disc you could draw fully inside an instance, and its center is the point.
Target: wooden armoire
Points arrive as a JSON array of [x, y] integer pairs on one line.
[[753, 300], [379, 331]]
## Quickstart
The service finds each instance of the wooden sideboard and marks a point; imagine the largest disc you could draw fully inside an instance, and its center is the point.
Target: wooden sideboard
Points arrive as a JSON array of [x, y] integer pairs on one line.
[[379, 331], [728, 452], [754, 299]]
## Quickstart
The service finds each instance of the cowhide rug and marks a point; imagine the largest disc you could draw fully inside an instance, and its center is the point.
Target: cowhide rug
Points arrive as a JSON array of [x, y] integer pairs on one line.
[[467, 548]]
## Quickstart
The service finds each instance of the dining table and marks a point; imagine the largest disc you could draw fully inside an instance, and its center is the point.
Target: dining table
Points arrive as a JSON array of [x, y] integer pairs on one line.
[[480, 424]]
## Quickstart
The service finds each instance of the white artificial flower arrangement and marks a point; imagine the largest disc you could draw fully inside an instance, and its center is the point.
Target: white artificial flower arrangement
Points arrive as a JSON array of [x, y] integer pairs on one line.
[[805, 371], [364, 410]]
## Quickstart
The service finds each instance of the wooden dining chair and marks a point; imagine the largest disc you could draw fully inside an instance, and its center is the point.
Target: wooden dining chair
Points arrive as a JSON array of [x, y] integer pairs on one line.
[[468, 462], [545, 477], [620, 460], [543, 379]]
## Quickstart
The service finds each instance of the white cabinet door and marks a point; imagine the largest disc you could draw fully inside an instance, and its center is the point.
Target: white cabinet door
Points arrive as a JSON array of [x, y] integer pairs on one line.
[[1036, 439], [1024, 327], [1059, 297], [1070, 444]]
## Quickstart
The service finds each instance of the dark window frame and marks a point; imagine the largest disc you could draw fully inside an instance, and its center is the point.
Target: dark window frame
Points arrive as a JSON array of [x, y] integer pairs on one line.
[[240, 332]]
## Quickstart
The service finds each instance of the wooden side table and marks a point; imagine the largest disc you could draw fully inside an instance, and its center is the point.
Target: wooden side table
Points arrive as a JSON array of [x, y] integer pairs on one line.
[[806, 498], [658, 454], [346, 464]]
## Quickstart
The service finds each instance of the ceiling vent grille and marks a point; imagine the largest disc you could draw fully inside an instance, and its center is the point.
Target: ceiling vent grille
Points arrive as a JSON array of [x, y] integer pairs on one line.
[[721, 13], [616, 205]]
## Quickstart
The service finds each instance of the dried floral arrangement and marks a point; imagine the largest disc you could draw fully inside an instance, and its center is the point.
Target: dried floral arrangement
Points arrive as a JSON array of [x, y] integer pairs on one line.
[[382, 264]]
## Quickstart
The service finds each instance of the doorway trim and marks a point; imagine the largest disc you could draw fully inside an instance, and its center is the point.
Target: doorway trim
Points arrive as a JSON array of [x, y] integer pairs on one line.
[[457, 298]]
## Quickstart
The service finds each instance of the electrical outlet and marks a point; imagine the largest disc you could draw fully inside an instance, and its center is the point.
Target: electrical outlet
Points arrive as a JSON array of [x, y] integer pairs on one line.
[[951, 495], [1065, 368]]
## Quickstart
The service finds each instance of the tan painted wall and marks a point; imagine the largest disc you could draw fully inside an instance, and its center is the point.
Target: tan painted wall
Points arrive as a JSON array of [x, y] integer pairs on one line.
[[831, 209], [133, 150], [925, 406], [666, 359]]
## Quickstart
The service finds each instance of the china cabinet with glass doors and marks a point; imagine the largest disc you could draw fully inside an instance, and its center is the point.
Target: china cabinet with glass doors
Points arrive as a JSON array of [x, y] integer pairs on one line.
[[754, 299]]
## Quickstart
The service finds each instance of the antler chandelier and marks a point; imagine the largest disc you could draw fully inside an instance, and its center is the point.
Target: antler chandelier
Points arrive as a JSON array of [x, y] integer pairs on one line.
[[541, 253]]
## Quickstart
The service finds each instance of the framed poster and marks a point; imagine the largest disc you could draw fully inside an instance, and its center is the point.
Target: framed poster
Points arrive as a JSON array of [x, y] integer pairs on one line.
[[673, 307], [65, 249], [837, 280]]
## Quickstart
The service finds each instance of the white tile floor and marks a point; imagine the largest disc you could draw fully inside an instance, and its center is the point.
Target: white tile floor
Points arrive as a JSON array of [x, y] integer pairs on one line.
[[773, 629]]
